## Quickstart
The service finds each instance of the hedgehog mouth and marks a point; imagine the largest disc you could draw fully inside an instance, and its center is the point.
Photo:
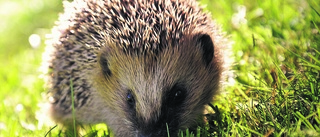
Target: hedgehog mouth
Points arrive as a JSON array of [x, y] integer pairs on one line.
[[157, 131]]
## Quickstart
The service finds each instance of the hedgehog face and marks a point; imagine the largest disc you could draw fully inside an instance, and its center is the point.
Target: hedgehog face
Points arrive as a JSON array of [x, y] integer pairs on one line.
[[149, 93]]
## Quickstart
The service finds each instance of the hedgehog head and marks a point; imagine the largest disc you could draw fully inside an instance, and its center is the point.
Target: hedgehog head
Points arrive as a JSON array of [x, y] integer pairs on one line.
[[150, 92]]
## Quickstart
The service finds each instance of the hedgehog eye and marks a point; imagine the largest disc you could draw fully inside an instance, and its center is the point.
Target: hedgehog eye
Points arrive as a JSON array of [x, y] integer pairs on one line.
[[177, 96], [130, 100]]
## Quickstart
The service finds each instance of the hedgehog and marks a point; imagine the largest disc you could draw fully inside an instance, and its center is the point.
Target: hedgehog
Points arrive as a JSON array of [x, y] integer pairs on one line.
[[141, 67]]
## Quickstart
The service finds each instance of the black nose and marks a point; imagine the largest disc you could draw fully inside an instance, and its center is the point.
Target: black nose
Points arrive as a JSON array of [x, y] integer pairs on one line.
[[142, 135], [153, 135]]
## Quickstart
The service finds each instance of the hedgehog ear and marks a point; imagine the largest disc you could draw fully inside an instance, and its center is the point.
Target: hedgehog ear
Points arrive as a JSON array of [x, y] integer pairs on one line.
[[104, 64], [207, 47]]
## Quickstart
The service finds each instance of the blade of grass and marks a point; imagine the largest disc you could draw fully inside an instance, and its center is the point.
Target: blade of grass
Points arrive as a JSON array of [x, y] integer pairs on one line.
[[50, 130], [167, 129], [250, 130], [315, 10], [304, 119], [73, 110], [311, 65]]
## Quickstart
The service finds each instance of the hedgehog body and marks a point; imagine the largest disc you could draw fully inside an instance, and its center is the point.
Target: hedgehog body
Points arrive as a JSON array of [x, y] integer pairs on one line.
[[138, 66]]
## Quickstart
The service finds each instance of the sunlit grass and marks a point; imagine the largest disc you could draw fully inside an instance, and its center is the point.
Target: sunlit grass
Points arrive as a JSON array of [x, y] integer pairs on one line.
[[277, 65], [19, 76]]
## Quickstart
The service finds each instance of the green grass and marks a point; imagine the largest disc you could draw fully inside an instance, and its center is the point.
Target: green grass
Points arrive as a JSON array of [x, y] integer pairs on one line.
[[21, 87], [276, 91]]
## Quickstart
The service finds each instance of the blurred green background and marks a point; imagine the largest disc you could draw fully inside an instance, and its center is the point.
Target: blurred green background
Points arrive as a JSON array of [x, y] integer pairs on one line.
[[22, 23]]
